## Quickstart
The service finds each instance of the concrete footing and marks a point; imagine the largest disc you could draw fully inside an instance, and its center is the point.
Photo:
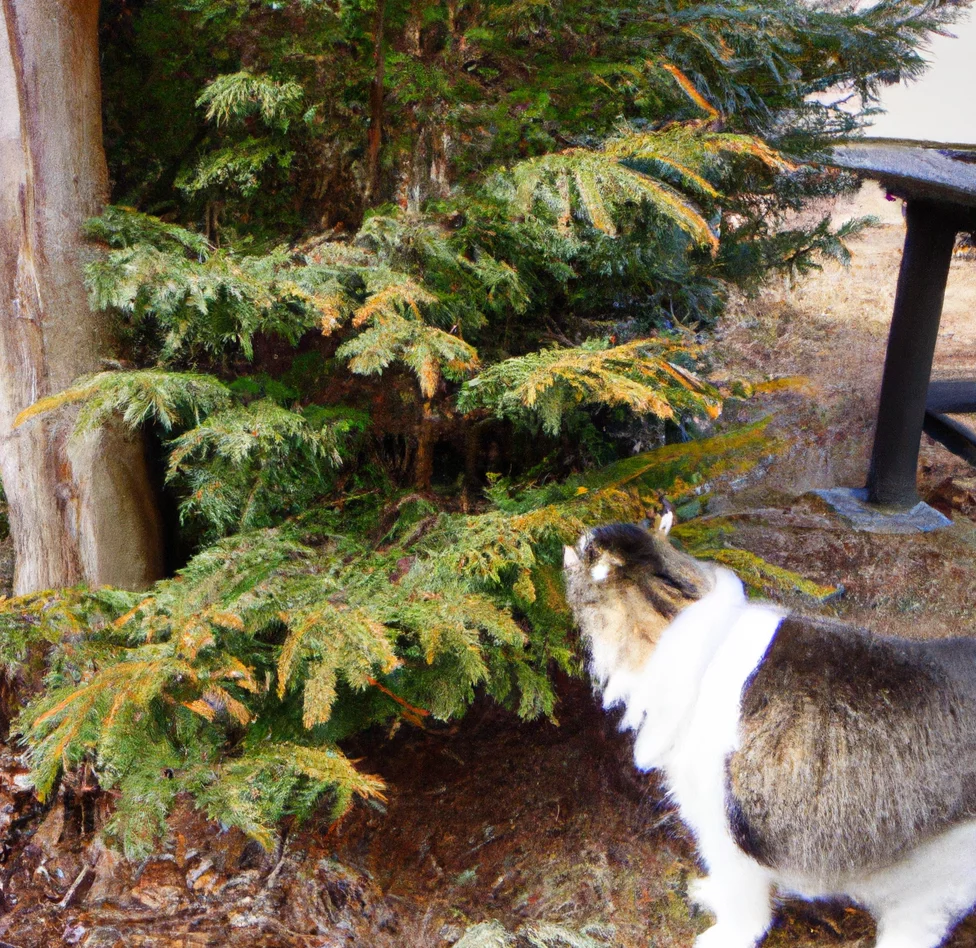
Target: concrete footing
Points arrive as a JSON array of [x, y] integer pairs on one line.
[[851, 504]]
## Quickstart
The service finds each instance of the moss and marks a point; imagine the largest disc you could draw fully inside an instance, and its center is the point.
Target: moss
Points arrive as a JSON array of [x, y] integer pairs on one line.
[[708, 539], [702, 535], [684, 470], [764, 577]]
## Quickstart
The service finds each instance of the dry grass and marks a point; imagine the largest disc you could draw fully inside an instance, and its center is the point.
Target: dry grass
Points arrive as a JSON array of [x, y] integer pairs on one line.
[[832, 328], [855, 303], [864, 294]]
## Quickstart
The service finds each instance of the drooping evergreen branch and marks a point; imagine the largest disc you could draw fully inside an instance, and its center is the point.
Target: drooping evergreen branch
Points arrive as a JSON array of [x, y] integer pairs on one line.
[[643, 376]]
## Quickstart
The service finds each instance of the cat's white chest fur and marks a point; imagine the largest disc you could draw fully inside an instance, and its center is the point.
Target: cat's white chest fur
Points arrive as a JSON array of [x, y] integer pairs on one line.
[[719, 640]]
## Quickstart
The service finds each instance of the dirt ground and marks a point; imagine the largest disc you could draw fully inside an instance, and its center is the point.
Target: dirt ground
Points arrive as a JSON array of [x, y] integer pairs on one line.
[[544, 836]]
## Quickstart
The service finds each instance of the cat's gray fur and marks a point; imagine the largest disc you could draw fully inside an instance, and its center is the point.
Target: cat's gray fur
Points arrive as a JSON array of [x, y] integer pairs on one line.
[[854, 747]]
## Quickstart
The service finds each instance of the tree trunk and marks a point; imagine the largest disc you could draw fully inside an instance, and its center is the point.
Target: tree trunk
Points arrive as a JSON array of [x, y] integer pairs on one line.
[[375, 137], [426, 174], [81, 510], [423, 462]]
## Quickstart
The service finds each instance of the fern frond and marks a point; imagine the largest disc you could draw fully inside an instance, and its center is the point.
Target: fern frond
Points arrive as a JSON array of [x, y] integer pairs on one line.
[[199, 298], [603, 185], [64, 726], [124, 227], [401, 297], [427, 351], [255, 790], [692, 152], [236, 96], [336, 640], [239, 166], [262, 428]]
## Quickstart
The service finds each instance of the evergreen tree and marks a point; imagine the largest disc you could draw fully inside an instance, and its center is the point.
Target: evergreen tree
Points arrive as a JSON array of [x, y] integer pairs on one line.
[[397, 287]]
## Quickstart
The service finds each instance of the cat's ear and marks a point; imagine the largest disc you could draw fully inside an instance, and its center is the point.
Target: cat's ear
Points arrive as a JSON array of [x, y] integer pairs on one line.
[[573, 555]]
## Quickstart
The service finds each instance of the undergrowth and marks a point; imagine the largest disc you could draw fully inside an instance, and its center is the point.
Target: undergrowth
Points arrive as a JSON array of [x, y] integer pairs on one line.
[[236, 680]]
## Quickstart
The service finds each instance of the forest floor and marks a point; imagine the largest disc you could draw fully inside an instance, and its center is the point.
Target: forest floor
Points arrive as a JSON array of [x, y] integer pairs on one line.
[[543, 835]]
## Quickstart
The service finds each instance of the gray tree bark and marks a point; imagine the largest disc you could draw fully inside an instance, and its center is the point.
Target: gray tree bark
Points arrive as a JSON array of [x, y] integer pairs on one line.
[[81, 510]]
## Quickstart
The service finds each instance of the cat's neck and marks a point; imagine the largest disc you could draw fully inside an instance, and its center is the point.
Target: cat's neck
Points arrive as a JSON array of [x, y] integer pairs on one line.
[[659, 697]]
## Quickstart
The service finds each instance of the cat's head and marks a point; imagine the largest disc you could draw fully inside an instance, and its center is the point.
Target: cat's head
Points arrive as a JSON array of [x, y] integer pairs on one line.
[[633, 573]]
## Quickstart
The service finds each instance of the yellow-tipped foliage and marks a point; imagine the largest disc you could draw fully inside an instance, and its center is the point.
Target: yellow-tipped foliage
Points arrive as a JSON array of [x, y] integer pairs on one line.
[[598, 186], [428, 352], [548, 385], [137, 398]]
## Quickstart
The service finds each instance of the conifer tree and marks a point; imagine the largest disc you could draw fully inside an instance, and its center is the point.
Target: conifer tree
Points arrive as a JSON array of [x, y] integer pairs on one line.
[[398, 288]]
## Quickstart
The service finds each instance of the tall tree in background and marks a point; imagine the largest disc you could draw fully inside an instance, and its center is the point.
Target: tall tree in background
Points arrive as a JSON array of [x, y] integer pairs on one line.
[[80, 509]]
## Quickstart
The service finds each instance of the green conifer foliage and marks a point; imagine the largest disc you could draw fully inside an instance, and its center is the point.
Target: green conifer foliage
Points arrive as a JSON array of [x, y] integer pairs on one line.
[[394, 284]]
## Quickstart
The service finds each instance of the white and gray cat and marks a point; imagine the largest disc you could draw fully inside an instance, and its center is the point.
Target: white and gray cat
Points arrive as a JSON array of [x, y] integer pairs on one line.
[[806, 756]]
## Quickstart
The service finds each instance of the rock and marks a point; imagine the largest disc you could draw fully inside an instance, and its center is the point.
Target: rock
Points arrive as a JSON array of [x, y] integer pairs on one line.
[[341, 887], [204, 878], [23, 782], [451, 934], [103, 937], [108, 865], [955, 495], [79, 888], [74, 933], [49, 833], [547, 935], [535, 935], [253, 856], [238, 886]]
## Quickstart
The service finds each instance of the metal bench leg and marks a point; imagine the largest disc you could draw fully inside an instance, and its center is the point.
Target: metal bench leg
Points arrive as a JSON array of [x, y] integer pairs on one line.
[[956, 437], [911, 346]]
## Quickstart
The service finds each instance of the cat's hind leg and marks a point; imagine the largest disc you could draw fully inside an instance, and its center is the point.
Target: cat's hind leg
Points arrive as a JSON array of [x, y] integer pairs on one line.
[[737, 892], [925, 918], [912, 932], [919, 901]]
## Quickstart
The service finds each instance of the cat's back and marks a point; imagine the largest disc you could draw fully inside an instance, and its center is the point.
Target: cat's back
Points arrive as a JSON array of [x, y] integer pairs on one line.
[[852, 748]]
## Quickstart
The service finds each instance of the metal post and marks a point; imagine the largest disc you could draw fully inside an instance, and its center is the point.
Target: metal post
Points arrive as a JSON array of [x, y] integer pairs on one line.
[[911, 346]]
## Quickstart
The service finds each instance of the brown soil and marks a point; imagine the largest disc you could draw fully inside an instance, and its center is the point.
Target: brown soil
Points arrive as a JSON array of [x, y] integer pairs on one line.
[[549, 823]]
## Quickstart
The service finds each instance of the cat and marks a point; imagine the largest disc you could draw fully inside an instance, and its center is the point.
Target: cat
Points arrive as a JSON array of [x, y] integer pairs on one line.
[[806, 756]]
